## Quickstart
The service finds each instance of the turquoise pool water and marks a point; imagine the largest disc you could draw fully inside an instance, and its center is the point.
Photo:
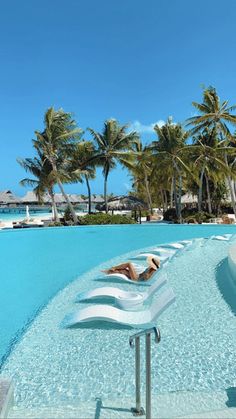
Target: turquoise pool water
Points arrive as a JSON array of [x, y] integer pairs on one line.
[[36, 264], [57, 367], [15, 216]]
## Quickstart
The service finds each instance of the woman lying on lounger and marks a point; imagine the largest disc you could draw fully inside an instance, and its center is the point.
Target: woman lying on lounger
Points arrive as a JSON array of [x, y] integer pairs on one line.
[[129, 270]]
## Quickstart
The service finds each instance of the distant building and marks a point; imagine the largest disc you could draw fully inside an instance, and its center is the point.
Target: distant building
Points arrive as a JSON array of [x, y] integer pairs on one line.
[[31, 198], [8, 198], [189, 199]]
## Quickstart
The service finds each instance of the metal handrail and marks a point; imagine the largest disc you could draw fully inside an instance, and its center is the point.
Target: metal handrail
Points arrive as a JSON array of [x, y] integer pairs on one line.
[[134, 341]]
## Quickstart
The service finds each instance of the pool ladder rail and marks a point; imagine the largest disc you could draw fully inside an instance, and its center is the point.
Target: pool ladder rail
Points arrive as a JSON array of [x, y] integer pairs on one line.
[[134, 342]]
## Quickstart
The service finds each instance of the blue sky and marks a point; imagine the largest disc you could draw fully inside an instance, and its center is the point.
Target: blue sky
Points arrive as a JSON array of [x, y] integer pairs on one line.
[[133, 60]]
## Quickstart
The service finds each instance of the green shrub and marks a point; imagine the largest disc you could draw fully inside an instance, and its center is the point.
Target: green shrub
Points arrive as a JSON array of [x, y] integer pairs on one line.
[[170, 215], [55, 224], [199, 217], [189, 215], [67, 214], [101, 218], [226, 209], [187, 212]]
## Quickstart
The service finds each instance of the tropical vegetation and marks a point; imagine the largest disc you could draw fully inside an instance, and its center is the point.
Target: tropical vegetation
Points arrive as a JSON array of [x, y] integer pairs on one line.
[[197, 157], [101, 218]]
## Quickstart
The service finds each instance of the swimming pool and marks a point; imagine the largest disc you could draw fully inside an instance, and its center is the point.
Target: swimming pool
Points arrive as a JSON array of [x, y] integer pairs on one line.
[[17, 216], [39, 263]]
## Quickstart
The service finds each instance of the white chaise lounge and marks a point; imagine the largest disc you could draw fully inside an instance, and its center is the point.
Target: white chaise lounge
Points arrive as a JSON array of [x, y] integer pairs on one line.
[[123, 278], [116, 275], [125, 299], [104, 312], [162, 257]]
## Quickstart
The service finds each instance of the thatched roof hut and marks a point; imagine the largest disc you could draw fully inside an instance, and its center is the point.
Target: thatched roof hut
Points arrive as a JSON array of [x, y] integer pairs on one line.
[[31, 198], [127, 203], [7, 198], [188, 198], [97, 199], [76, 199]]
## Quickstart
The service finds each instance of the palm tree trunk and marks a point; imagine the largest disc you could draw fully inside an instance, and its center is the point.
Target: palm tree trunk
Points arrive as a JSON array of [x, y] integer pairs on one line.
[[232, 194], [73, 213], [105, 192], [165, 199], [231, 189], [200, 190], [171, 192], [54, 207], [208, 195], [175, 192], [89, 194], [179, 199], [148, 193], [74, 216]]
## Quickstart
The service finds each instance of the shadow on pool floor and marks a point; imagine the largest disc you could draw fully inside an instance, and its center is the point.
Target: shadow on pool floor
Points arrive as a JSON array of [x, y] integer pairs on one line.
[[226, 285]]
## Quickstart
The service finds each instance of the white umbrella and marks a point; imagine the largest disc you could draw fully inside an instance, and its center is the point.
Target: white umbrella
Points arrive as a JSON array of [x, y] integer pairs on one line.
[[27, 213], [53, 214]]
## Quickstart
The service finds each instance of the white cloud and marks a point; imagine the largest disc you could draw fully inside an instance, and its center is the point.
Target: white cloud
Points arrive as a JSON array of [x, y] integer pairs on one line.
[[142, 128]]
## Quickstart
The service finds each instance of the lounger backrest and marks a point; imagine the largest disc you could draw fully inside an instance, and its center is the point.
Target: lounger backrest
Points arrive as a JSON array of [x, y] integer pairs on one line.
[[162, 303]]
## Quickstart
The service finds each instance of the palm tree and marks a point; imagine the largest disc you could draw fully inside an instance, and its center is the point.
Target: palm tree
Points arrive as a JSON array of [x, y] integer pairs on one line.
[[162, 186], [43, 181], [215, 115], [139, 162], [56, 143], [208, 155], [83, 166], [169, 153], [112, 144]]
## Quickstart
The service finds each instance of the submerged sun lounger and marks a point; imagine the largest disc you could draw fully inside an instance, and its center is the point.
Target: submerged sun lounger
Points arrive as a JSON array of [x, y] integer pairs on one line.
[[116, 275], [162, 257], [123, 278], [224, 237], [139, 269], [104, 312], [124, 299]]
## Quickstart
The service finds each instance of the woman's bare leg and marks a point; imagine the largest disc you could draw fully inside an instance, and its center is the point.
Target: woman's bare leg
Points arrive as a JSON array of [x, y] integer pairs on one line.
[[117, 267], [132, 272], [121, 266]]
